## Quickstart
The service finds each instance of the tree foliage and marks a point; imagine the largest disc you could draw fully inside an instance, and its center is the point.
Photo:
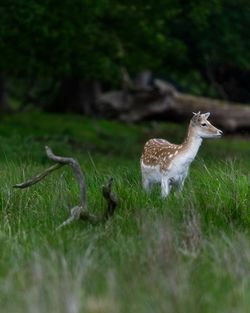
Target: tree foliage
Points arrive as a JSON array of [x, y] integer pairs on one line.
[[183, 40]]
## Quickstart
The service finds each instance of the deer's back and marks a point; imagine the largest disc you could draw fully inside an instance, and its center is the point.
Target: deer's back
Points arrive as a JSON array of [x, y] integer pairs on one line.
[[158, 152]]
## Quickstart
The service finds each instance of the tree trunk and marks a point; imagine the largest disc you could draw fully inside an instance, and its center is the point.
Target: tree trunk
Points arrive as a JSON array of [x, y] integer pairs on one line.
[[76, 95]]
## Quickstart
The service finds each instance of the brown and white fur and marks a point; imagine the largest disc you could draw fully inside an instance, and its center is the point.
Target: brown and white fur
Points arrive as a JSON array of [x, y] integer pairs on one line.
[[168, 164]]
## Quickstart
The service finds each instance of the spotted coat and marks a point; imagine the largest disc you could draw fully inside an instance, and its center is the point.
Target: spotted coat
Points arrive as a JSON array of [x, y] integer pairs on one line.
[[159, 152]]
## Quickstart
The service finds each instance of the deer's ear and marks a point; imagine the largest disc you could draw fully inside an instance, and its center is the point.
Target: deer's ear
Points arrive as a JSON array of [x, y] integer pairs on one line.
[[196, 117], [206, 115], [197, 114]]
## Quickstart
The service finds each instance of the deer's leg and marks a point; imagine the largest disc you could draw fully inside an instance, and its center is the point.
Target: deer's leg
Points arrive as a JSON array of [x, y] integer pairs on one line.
[[179, 185], [180, 182], [165, 187], [147, 183]]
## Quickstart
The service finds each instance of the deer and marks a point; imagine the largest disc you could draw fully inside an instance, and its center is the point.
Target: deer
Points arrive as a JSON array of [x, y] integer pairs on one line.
[[167, 163]]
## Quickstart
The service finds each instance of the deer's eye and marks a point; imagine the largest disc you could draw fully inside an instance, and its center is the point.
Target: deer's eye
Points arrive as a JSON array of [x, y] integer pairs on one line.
[[203, 124]]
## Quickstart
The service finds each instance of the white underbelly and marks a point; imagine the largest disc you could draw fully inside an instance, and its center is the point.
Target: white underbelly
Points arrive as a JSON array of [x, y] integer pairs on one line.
[[151, 172], [178, 171]]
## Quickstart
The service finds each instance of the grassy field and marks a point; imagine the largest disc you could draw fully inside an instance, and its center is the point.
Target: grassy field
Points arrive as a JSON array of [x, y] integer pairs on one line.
[[189, 253]]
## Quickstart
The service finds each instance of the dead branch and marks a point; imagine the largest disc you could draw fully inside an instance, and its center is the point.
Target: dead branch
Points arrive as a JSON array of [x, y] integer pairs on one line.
[[110, 198], [38, 177], [79, 212], [77, 171]]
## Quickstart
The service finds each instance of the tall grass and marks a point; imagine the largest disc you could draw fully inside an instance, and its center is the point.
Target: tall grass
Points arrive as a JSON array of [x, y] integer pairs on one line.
[[190, 252]]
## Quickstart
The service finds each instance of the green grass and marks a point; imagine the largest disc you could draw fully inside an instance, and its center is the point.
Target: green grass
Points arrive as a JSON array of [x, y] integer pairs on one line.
[[189, 253]]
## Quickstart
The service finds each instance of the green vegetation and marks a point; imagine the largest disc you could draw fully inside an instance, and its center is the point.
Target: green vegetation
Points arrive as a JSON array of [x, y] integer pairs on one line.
[[202, 46], [189, 253]]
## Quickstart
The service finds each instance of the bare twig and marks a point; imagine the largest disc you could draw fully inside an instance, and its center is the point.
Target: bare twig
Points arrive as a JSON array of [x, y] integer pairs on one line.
[[80, 211], [38, 177]]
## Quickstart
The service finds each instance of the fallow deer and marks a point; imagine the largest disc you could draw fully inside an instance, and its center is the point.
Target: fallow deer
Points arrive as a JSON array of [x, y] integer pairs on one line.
[[166, 163]]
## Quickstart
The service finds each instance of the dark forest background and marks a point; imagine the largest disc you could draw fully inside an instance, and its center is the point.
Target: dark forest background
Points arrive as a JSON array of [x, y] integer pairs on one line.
[[57, 55]]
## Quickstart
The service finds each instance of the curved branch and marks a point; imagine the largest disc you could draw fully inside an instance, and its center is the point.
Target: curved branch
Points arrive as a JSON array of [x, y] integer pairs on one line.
[[80, 211], [76, 169]]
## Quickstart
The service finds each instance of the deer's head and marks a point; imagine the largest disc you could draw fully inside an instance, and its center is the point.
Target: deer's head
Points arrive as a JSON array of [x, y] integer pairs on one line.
[[203, 127]]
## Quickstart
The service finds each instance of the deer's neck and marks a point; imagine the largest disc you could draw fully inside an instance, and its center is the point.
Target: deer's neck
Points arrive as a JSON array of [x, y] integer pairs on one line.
[[191, 144]]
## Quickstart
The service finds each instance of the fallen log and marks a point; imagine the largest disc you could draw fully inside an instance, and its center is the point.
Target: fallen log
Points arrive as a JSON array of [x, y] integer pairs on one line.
[[163, 101], [231, 117]]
